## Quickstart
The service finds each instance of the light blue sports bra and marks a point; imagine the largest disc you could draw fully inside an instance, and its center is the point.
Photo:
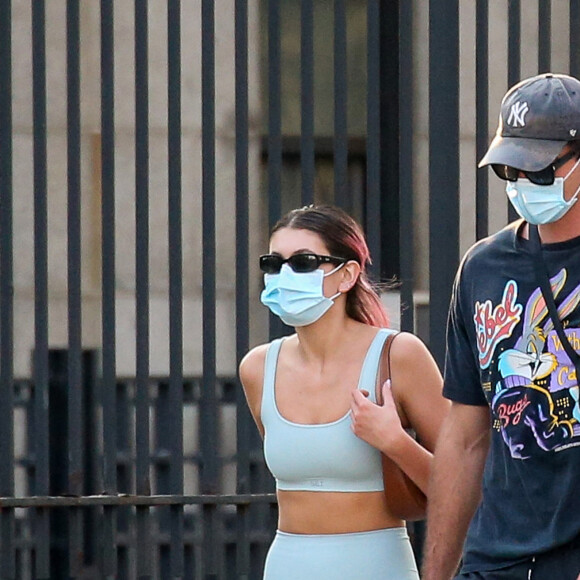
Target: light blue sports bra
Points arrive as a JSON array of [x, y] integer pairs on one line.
[[326, 456]]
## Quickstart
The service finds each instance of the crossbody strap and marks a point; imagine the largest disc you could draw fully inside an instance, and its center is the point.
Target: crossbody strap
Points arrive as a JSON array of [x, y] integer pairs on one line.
[[384, 367], [543, 279]]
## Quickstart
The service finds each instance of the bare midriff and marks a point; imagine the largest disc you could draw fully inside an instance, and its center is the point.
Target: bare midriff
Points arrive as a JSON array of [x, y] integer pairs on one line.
[[306, 512]]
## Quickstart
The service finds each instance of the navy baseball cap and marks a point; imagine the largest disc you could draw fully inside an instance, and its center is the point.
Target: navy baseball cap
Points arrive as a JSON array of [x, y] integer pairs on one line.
[[538, 117]]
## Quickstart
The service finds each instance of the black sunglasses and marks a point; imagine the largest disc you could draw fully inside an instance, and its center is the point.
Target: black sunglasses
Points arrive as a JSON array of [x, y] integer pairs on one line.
[[300, 263], [543, 177]]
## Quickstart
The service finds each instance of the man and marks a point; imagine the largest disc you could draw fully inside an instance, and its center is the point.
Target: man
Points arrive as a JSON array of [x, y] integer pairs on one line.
[[505, 489]]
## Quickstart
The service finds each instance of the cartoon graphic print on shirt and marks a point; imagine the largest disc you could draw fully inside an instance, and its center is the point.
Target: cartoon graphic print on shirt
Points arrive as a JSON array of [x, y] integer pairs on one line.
[[535, 402]]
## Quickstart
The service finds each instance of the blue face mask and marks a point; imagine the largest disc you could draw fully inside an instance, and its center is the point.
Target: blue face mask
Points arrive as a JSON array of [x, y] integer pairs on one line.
[[298, 299], [540, 204]]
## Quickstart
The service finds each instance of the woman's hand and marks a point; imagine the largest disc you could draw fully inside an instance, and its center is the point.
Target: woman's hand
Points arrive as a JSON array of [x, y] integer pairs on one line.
[[378, 426]]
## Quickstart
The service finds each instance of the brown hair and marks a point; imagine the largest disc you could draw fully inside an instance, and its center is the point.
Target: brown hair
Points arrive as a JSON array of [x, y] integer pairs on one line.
[[344, 238]]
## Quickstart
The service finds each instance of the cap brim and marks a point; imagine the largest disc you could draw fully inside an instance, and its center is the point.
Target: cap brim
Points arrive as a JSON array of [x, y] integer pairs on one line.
[[522, 153]]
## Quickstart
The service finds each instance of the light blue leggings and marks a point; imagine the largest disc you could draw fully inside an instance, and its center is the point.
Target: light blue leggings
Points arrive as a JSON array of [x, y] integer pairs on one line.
[[381, 554]]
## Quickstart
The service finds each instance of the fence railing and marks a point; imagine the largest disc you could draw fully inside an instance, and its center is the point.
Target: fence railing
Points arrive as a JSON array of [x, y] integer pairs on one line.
[[226, 535], [221, 537]]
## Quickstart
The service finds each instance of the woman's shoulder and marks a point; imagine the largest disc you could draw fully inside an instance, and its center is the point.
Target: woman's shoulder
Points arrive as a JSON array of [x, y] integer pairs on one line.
[[410, 359], [417, 386], [406, 346], [251, 372], [252, 365]]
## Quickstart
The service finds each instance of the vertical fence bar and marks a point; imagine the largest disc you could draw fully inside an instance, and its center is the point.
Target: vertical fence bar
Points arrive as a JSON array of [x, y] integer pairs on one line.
[[244, 425], [307, 100], [443, 165], [91, 461], [274, 114], [108, 388], [125, 522], [406, 244], [75, 431], [210, 541], [544, 36], [274, 132], [142, 435], [340, 107], [514, 36], [481, 117], [242, 238], [41, 450], [373, 193], [208, 402], [514, 62], [7, 563], [163, 432], [389, 140], [124, 439], [243, 564], [175, 280], [574, 39], [58, 450]]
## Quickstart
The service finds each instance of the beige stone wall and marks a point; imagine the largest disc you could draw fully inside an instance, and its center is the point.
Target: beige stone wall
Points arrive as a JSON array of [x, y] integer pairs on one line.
[[192, 163], [125, 180]]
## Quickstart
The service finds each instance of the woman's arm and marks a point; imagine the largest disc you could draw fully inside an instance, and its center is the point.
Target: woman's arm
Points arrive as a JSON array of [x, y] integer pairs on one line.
[[251, 373], [417, 387], [413, 401]]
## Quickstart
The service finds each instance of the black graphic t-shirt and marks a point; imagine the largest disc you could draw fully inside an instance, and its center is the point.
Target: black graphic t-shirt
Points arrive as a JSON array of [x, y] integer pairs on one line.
[[503, 352]]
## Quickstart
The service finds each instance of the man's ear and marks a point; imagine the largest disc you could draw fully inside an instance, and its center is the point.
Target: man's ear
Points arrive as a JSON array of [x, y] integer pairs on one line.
[[350, 274]]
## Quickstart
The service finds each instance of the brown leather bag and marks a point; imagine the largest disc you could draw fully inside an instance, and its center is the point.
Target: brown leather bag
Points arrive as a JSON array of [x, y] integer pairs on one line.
[[404, 499]]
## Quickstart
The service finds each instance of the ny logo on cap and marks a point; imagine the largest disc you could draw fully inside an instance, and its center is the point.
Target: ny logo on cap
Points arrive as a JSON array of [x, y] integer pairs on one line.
[[518, 114]]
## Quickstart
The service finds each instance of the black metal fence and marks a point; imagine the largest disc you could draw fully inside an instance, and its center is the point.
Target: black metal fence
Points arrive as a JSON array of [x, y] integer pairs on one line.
[[225, 535], [98, 478]]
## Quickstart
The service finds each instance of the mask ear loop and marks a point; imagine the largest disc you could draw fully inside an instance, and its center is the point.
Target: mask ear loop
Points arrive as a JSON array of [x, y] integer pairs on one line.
[[332, 272], [573, 169], [574, 198]]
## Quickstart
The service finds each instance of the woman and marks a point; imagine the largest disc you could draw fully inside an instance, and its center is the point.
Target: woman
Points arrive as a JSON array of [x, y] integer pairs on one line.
[[311, 395]]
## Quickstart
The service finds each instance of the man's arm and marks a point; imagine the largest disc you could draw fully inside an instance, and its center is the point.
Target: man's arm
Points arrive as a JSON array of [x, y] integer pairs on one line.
[[455, 487]]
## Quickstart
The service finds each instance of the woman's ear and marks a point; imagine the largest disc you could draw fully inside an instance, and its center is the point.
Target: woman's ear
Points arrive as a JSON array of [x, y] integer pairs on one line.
[[350, 274]]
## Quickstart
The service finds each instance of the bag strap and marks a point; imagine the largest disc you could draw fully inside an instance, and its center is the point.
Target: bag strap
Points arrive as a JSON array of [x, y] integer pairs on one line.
[[384, 367], [543, 280]]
